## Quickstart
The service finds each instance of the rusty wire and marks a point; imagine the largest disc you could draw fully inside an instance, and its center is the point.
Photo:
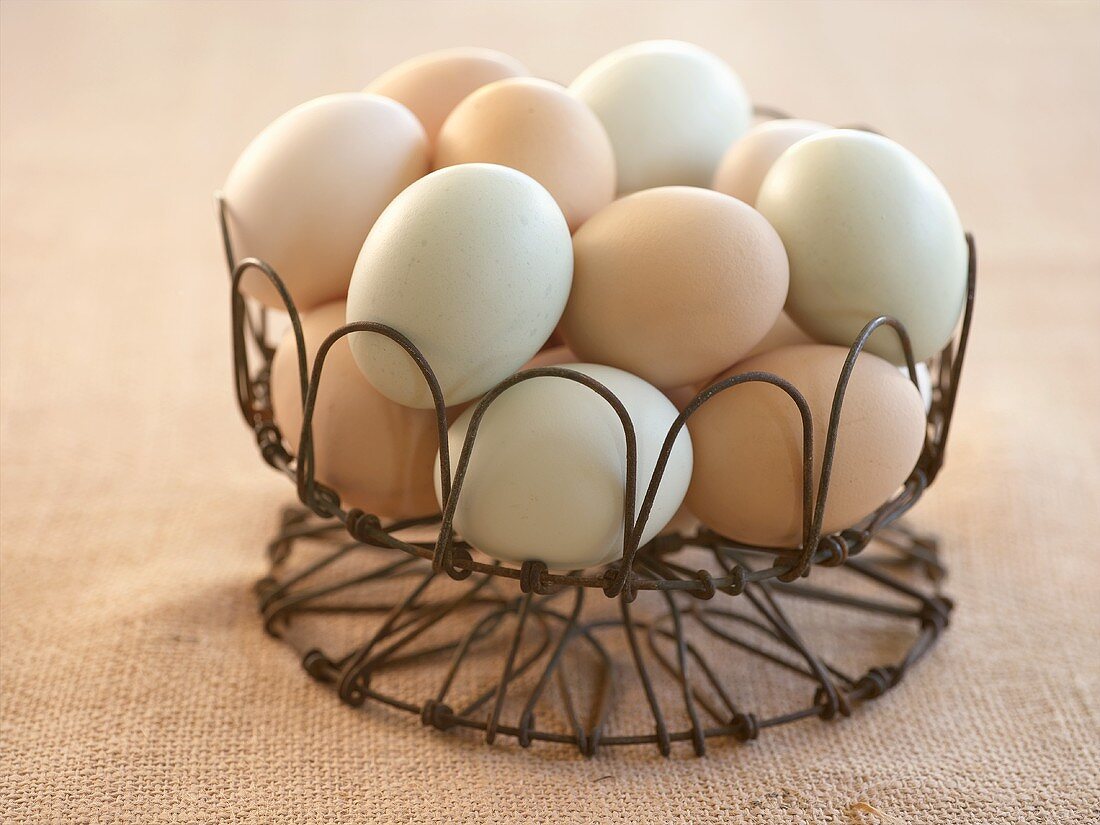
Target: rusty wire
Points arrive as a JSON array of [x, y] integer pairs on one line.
[[759, 574]]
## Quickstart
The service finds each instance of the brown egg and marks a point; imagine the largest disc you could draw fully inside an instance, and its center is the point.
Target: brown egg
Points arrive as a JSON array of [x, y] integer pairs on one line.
[[784, 333], [674, 284], [747, 479], [748, 160], [681, 396], [377, 454], [432, 84], [541, 129], [304, 194]]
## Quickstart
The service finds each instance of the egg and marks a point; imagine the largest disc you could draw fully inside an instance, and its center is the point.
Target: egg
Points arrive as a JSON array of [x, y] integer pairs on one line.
[[681, 396], [747, 482], [551, 357], [869, 231], [539, 128], [748, 160], [432, 84], [304, 194], [378, 455], [674, 284], [547, 474], [670, 108], [473, 263], [784, 333]]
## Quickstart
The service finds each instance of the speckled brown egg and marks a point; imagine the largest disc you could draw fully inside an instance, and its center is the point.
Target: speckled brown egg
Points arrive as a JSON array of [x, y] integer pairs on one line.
[[674, 284], [747, 478], [377, 454], [540, 128], [432, 84]]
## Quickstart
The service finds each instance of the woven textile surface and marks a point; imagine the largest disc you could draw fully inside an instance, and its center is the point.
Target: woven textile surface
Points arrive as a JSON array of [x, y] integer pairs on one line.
[[136, 683]]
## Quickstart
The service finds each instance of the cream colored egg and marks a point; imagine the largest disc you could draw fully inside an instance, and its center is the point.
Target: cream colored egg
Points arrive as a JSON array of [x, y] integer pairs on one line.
[[547, 473], [869, 231], [473, 263], [670, 108], [377, 454], [748, 160], [674, 284], [432, 84], [304, 194], [541, 129], [747, 482]]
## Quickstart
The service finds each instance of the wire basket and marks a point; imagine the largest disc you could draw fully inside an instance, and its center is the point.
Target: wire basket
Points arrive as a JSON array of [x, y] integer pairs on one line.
[[687, 638]]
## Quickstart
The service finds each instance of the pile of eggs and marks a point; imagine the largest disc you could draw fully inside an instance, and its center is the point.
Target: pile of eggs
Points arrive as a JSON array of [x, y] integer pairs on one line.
[[634, 227]]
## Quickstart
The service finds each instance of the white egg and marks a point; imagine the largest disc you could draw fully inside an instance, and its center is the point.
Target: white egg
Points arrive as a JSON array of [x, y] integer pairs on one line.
[[547, 474], [869, 230], [305, 193], [670, 108], [473, 263]]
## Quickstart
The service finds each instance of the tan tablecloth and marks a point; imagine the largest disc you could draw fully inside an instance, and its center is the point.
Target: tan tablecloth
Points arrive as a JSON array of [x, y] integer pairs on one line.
[[136, 682]]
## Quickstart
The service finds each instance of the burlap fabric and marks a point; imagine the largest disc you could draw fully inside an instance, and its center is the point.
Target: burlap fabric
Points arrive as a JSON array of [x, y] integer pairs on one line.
[[137, 685]]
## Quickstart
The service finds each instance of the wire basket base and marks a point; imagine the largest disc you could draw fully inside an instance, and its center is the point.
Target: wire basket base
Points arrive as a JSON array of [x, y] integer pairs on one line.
[[482, 656]]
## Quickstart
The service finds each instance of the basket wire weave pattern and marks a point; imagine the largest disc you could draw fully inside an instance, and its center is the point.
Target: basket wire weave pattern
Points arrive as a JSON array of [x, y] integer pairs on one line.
[[736, 596]]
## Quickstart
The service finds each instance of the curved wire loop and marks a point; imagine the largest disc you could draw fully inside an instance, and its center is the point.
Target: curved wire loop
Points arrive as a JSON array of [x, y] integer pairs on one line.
[[306, 465], [619, 579], [444, 544], [705, 699]]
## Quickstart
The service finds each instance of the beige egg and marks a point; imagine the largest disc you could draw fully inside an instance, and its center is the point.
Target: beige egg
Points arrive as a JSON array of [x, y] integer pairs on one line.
[[432, 84], [304, 194], [674, 284], [377, 454], [748, 160], [540, 128], [681, 396], [784, 333], [747, 481]]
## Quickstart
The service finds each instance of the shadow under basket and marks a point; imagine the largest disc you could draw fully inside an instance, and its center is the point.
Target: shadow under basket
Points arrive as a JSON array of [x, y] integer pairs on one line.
[[689, 638]]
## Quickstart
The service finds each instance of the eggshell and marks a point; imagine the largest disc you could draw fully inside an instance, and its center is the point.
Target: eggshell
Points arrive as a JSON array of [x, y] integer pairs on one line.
[[747, 482], [551, 357], [681, 396], [539, 128], [674, 284], [378, 455], [784, 333], [432, 84], [305, 193], [547, 474], [670, 108], [473, 263], [748, 160], [869, 231]]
